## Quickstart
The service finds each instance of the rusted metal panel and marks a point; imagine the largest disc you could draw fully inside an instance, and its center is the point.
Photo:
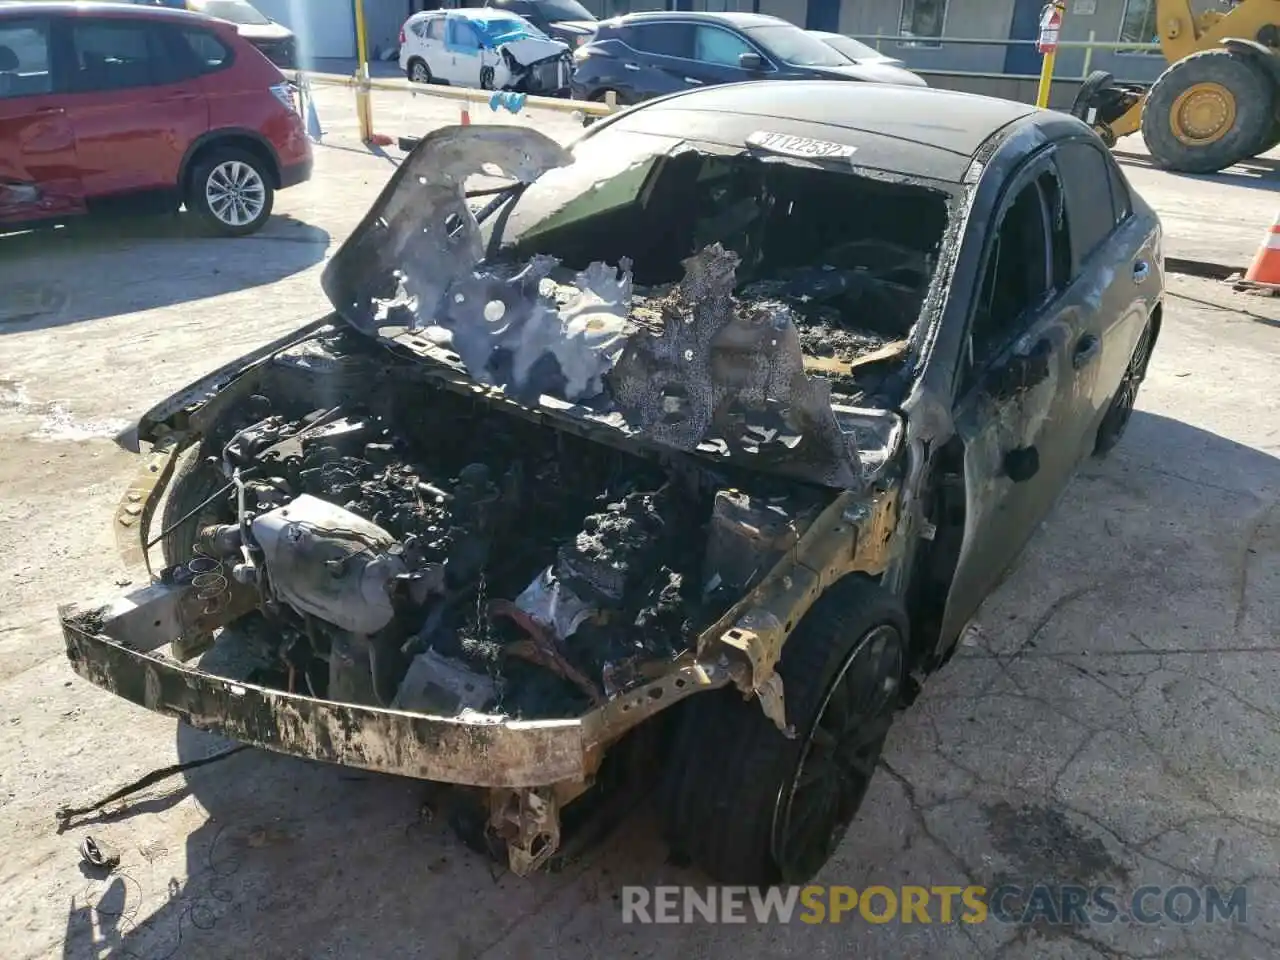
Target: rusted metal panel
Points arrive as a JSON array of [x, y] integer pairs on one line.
[[474, 752]]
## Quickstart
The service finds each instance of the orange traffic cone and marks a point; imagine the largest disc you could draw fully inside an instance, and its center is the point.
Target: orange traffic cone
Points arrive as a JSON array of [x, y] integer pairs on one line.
[[1265, 269]]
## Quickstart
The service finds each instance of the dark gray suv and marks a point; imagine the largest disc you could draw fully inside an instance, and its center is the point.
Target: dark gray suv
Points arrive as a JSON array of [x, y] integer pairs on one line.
[[645, 55]]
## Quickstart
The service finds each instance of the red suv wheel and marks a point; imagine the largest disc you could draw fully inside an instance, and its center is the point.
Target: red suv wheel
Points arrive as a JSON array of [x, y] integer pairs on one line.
[[230, 190]]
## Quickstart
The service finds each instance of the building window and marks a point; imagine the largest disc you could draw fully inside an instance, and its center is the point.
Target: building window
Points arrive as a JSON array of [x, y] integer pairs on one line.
[[922, 21], [1138, 25]]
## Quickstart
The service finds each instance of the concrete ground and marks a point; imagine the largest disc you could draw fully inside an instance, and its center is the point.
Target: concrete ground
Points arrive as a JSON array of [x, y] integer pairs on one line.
[[1111, 718]]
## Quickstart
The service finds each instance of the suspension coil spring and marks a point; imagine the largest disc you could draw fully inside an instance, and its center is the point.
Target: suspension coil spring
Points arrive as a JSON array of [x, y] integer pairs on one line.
[[209, 580]]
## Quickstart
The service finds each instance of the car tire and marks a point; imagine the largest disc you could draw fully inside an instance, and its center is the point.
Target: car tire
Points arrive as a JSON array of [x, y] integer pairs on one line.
[[195, 481], [486, 78], [231, 191], [1252, 99], [417, 71], [730, 795], [1120, 409]]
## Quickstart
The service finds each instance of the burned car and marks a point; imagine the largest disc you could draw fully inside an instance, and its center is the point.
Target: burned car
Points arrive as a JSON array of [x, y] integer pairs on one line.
[[709, 432]]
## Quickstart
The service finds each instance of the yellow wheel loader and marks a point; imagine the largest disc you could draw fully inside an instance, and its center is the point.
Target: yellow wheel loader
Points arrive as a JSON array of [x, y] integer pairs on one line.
[[1214, 105]]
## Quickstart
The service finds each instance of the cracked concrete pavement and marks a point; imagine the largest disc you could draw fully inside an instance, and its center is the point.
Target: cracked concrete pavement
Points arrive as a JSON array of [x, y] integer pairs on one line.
[[1109, 719]]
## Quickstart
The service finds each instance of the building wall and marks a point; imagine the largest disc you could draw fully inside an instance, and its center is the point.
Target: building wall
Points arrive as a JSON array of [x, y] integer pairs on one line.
[[976, 19], [382, 20], [993, 19], [325, 28]]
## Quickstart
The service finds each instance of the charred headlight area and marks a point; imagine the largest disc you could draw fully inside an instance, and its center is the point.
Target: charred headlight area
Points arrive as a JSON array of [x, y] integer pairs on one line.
[[852, 256], [417, 549]]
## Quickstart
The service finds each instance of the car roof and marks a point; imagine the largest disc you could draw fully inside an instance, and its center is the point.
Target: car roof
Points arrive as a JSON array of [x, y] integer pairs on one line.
[[481, 13], [34, 8], [915, 131], [739, 20]]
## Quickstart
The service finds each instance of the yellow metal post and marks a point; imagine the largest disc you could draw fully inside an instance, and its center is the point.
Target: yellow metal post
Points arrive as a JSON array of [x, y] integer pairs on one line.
[[1046, 79], [364, 108], [1046, 67]]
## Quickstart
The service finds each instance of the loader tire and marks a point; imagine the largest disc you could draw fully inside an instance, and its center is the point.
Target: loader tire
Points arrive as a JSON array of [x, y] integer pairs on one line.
[[735, 786], [1208, 111], [1093, 85]]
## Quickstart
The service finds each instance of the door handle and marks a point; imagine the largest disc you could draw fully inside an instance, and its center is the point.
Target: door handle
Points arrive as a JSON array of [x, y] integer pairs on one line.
[[631, 66], [49, 112], [1087, 348], [691, 80], [1141, 270]]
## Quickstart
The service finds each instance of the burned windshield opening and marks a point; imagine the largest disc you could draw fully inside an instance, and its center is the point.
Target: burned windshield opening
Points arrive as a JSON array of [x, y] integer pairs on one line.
[[852, 255], [751, 307]]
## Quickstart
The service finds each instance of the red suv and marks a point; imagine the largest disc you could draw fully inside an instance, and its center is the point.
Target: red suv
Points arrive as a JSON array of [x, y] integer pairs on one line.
[[112, 104]]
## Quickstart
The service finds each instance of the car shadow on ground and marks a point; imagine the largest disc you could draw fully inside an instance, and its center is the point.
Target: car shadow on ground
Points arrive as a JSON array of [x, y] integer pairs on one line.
[[167, 260], [302, 859]]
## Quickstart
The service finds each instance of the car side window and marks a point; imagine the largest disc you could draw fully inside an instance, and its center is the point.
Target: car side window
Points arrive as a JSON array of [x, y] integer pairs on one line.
[[463, 35], [1016, 278], [435, 29], [210, 53], [24, 59], [116, 55], [713, 45], [663, 39], [1086, 179], [1121, 200]]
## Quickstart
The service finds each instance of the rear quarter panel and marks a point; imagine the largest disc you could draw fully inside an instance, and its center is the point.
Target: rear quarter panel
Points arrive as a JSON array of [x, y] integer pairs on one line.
[[240, 98]]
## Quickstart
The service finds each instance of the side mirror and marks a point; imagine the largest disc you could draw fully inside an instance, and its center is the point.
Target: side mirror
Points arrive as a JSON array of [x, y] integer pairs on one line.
[[752, 62], [1021, 464]]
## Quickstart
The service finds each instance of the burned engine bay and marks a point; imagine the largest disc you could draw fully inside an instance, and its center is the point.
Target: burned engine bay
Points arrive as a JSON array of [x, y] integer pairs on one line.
[[427, 552], [525, 479]]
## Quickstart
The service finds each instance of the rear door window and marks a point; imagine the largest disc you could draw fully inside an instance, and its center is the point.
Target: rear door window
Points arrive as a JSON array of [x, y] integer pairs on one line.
[[713, 45], [24, 59], [663, 39], [117, 55], [1090, 206], [209, 53], [435, 29]]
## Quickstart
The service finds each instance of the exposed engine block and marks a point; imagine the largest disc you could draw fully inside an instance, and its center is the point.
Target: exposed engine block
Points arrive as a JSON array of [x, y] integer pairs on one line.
[[330, 563]]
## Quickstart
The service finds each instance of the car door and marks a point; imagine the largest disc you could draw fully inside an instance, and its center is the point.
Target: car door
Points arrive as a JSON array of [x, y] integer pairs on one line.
[[431, 46], [658, 59], [1114, 263], [1030, 357], [39, 175], [133, 103], [463, 51]]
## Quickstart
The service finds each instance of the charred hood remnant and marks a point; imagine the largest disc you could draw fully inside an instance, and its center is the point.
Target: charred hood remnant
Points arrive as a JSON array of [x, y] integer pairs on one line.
[[705, 364]]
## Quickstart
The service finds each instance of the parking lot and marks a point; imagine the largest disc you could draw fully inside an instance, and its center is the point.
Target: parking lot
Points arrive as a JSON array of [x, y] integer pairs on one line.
[[1111, 718]]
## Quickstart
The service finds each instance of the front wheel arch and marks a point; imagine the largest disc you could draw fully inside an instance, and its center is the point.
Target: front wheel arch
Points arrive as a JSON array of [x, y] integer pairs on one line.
[[236, 139], [731, 771]]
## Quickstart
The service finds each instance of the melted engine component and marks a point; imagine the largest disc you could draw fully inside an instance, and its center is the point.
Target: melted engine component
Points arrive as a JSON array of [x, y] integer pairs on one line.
[[330, 563], [747, 536]]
